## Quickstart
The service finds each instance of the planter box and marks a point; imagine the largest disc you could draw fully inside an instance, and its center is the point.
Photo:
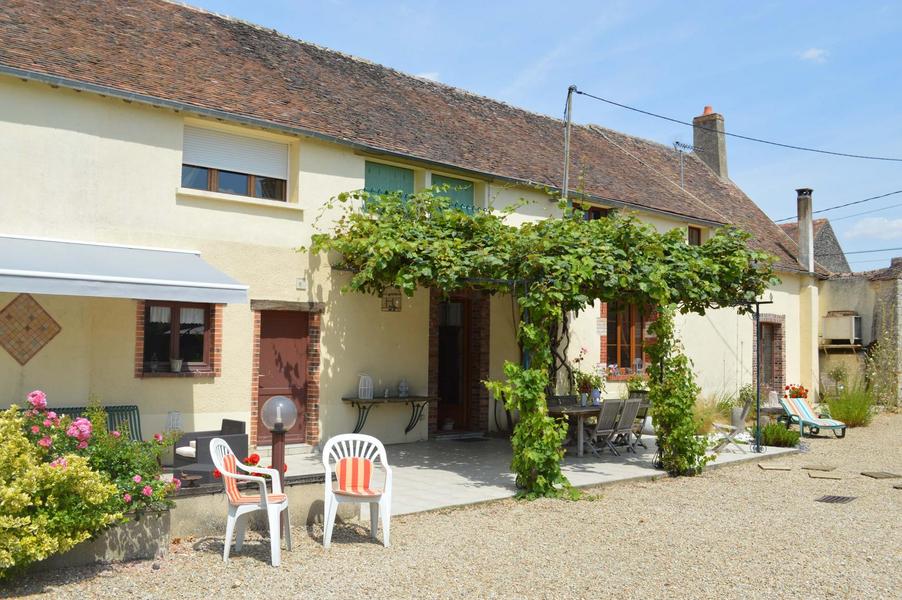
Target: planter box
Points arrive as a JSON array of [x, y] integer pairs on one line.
[[144, 536]]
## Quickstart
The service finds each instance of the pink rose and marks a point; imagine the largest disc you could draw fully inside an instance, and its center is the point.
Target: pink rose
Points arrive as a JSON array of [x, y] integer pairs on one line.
[[177, 482], [136, 479], [51, 415], [60, 462], [35, 429], [158, 437], [82, 444], [45, 441], [116, 434], [147, 491], [38, 399], [48, 423], [127, 497], [80, 429]]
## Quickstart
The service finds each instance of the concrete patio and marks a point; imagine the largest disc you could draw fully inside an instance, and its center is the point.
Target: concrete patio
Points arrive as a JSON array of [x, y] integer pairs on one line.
[[444, 473]]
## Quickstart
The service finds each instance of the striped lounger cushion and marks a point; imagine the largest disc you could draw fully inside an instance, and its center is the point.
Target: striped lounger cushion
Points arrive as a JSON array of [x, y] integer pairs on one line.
[[354, 476], [235, 495], [801, 409]]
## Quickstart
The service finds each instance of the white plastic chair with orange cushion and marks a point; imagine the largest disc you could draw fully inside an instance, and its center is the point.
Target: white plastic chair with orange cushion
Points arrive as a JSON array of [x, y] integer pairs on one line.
[[354, 456], [242, 504]]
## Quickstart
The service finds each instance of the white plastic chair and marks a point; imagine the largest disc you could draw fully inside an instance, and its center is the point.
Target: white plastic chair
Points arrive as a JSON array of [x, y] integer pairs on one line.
[[354, 456], [241, 505]]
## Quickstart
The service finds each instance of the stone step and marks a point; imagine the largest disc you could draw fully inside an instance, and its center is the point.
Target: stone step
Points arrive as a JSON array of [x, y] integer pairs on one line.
[[289, 449]]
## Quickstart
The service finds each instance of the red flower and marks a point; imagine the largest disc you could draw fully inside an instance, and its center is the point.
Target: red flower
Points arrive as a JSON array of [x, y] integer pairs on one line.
[[253, 459], [216, 474]]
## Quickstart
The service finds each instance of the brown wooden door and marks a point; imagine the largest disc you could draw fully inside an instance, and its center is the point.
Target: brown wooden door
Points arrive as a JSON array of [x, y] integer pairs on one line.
[[454, 362], [283, 367]]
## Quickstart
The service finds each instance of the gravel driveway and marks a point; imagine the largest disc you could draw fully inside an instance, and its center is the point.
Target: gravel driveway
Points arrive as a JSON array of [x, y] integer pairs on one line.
[[737, 531]]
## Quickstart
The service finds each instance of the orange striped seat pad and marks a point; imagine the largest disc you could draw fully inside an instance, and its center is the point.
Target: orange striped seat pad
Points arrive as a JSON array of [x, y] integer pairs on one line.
[[354, 476], [231, 486]]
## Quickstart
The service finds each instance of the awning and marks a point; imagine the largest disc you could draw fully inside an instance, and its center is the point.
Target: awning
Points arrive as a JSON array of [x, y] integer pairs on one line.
[[68, 268]]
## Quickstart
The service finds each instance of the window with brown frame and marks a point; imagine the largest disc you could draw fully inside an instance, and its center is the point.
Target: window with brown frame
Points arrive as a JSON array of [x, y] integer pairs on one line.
[[626, 337], [596, 212], [231, 182], [176, 331], [695, 236]]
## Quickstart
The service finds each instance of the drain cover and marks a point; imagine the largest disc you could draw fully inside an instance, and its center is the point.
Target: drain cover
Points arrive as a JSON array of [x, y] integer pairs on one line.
[[836, 499]]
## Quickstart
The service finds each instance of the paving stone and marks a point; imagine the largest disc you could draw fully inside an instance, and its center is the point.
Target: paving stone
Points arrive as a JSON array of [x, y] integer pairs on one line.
[[880, 474], [821, 475], [819, 467], [774, 467]]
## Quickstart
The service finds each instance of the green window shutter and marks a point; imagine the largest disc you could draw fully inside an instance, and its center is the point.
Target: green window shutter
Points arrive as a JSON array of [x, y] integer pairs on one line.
[[460, 191], [381, 179]]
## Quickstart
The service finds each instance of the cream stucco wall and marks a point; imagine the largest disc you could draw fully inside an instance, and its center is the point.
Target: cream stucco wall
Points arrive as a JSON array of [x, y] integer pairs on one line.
[[82, 167]]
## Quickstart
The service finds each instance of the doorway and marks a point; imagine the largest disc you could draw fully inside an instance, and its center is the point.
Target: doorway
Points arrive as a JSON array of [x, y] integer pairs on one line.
[[453, 363], [283, 367]]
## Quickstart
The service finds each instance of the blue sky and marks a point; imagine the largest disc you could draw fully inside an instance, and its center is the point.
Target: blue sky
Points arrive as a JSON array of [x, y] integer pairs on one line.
[[820, 74]]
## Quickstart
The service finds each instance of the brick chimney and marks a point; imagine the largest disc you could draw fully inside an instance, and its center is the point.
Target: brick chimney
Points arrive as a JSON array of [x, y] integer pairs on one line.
[[710, 142], [806, 229]]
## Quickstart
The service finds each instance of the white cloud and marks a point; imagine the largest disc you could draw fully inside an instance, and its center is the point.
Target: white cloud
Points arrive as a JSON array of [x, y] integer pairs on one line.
[[430, 75], [879, 228], [817, 55]]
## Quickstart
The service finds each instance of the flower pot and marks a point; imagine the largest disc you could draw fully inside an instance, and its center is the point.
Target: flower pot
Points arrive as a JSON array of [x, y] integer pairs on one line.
[[175, 365], [736, 418], [583, 399]]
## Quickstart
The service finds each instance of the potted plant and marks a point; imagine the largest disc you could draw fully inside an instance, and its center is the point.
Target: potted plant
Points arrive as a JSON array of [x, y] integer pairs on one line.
[[175, 365], [637, 386]]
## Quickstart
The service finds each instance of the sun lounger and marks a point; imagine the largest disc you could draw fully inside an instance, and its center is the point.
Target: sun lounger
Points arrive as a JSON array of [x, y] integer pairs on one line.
[[799, 412]]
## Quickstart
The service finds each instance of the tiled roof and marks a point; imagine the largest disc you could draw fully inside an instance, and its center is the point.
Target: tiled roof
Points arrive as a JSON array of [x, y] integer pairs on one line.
[[792, 229], [183, 55]]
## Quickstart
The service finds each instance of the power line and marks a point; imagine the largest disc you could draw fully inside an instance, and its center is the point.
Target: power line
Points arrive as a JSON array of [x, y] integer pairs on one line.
[[860, 251], [867, 212], [743, 137], [850, 204]]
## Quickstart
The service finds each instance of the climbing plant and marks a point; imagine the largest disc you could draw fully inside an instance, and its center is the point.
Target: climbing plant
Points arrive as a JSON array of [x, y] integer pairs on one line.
[[552, 266]]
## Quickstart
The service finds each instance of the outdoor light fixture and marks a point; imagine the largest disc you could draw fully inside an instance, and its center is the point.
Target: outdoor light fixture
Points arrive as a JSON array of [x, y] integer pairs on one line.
[[279, 414]]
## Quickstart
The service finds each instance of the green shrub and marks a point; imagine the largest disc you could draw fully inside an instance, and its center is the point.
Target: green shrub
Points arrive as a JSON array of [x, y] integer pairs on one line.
[[46, 507], [853, 404], [776, 434]]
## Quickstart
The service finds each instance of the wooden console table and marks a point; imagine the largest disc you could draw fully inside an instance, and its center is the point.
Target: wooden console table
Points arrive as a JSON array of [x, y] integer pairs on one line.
[[417, 405]]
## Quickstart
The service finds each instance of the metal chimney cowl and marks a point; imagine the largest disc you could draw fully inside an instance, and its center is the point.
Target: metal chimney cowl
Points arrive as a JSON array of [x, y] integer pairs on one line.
[[806, 229]]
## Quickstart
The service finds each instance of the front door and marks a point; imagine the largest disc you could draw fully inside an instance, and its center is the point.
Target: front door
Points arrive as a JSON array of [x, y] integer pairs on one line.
[[283, 367], [453, 363]]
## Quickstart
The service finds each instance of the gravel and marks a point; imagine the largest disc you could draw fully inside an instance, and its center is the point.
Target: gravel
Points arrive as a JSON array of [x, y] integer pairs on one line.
[[735, 531]]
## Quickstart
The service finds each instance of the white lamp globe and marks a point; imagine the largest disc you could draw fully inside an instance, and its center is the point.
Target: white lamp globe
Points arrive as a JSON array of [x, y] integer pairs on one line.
[[279, 413]]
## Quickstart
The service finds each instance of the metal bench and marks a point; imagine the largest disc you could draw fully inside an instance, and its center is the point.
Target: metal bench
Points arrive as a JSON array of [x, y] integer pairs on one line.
[[119, 417]]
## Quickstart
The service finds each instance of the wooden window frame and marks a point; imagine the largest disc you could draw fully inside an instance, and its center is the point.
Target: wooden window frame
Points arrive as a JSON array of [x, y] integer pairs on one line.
[[213, 183], [638, 317], [698, 236], [174, 325], [596, 212]]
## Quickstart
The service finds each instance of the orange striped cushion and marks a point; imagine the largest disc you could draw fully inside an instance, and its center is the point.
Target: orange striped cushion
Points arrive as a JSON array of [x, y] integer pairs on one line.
[[231, 486], [354, 477]]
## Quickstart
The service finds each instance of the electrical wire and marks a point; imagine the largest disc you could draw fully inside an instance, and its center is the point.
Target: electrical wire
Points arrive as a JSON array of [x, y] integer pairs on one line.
[[742, 137], [849, 204], [861, 251], [867, 212]]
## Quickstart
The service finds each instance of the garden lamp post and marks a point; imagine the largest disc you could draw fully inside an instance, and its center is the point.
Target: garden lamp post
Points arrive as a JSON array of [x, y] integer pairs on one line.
[[279, 414]]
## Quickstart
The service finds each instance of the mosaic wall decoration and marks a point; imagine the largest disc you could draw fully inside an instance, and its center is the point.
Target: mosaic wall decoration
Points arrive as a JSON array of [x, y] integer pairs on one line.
[[25, 328]]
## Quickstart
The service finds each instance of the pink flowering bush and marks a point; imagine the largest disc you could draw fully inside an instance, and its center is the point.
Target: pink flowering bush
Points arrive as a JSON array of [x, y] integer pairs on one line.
[[133, 466]]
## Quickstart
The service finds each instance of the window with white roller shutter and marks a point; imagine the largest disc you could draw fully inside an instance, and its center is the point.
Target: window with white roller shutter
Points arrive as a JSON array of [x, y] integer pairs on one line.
[[224, 162]]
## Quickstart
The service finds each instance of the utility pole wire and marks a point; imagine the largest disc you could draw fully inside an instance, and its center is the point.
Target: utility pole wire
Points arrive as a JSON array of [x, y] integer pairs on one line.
[[849, 204], [742, 137]]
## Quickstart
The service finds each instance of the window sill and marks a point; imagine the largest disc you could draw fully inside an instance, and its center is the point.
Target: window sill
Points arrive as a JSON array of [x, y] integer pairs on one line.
[[235, 199], [170, 375]]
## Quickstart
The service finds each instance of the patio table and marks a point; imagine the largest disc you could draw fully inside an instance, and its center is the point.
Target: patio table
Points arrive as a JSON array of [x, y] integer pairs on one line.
[[580, 412]]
